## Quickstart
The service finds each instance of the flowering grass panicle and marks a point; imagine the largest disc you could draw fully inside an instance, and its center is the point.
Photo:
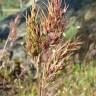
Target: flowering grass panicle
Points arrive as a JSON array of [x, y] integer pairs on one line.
[[33, 30], [12, 35], [45, 43]]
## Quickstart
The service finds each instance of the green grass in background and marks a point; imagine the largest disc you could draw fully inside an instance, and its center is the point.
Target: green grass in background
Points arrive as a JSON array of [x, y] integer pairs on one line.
[[81, 82], [9, 4], [72, 29]]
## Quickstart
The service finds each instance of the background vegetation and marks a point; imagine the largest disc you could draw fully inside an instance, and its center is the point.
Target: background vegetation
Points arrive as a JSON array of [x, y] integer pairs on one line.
[[78, 78]]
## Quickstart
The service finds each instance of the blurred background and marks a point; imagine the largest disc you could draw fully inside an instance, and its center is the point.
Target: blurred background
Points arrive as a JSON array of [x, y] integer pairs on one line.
[[81, 16], [8, 7]]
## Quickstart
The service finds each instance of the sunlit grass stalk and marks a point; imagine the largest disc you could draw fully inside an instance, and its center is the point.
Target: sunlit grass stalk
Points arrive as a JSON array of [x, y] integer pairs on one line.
[[45, 44]]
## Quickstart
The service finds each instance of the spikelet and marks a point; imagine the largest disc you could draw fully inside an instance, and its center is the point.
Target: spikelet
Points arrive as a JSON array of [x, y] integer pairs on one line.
[[32, 44], [55, 21]]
